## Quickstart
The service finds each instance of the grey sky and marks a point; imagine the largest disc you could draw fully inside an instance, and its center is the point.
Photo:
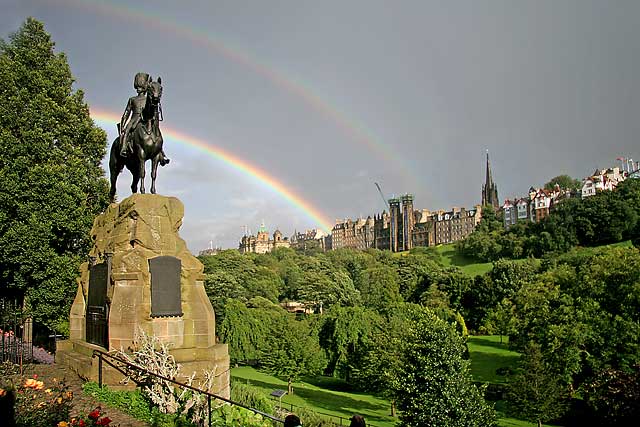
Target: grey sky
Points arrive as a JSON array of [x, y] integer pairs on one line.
[[345, 93]]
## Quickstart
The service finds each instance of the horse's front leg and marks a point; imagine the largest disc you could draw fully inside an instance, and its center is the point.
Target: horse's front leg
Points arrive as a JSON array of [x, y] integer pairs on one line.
[[154, 172], [135, 173], [141, 161]]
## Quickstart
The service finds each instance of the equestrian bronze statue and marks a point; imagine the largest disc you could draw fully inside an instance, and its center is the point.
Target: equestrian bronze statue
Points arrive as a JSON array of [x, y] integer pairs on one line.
[[139, 137]]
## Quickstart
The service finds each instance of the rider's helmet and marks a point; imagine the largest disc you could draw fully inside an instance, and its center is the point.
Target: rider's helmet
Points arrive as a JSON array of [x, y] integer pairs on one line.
[[140, 81]]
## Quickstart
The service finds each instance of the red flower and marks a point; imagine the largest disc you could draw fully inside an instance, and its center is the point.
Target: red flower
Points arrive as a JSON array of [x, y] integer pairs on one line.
[[81, 423], [104, 421], [95, 414]]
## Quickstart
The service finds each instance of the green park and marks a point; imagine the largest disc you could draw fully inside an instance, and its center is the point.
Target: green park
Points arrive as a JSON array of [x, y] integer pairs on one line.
[[528, 325]]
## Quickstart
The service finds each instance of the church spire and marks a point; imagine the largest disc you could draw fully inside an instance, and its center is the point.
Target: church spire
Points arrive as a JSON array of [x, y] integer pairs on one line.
[[489, 189], [488, 178]]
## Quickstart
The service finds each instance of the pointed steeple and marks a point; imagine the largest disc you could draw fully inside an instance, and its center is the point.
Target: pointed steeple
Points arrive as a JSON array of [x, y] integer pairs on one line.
[[488, 178], [489, 189]]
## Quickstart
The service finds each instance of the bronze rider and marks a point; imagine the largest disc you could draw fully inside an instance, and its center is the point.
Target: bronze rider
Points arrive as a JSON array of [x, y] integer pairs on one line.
[[135, 107]]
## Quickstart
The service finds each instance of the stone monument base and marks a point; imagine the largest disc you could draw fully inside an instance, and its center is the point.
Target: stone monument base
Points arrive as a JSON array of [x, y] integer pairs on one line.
[[141, 276], [77, 355]]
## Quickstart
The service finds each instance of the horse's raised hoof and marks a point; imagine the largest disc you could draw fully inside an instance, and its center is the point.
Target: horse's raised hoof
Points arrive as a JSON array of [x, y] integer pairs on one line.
[[164, 161]]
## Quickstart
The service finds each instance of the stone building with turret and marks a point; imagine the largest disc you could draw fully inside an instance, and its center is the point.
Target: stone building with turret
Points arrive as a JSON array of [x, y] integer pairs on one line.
[[262, 243], [403, 227]]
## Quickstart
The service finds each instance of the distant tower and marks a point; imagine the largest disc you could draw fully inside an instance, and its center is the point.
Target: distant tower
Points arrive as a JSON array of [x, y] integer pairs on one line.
[[407, 221], [489, 189], [263, 234], [395, 225]]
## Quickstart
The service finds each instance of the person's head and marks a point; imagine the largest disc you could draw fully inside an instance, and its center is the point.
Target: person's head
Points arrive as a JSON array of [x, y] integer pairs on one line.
[[357, 421], [140, 82], [292, 421]]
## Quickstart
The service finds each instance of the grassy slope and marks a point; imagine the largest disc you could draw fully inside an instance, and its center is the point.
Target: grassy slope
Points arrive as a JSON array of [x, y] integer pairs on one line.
[[328, 395], [487, 355], [450, 257]]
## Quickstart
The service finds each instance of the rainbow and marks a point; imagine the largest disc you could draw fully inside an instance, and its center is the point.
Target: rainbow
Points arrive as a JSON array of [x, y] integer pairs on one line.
[[108, 119], [149, 17]]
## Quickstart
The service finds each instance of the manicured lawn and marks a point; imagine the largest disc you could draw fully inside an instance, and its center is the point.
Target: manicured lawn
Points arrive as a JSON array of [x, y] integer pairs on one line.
[[326, 395], [450, 257], [487, 355], [332, 396]]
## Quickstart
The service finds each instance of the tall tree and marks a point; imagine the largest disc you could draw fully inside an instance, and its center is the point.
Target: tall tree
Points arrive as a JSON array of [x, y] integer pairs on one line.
[[379, 288], [434, 384], [51, 181], [292, 351], [534, 392]]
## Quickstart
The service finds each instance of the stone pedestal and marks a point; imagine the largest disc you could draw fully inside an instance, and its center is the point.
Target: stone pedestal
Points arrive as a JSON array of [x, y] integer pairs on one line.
[[126, 236]]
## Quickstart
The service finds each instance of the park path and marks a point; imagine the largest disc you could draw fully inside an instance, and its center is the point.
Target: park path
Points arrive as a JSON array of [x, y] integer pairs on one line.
[[82, 404]]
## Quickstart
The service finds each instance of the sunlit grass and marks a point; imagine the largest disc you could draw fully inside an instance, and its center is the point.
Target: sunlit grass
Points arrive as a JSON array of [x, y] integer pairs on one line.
[[332, 396], [322, 395], [451, 257], [488, 354]]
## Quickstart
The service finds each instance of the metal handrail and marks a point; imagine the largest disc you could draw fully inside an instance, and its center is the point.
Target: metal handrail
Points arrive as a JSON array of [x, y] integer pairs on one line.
[[104, 356], [326, 414]]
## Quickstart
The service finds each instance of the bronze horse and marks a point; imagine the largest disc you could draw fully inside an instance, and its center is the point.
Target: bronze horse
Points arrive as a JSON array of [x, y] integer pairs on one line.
[[146, 142]]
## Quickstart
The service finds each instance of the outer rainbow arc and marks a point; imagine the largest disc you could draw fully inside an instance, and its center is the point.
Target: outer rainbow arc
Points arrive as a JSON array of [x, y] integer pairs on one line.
[[108, 119], [355, 131]]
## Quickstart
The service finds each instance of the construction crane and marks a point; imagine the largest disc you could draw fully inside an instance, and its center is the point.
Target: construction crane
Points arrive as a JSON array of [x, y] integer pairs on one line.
[[382, 195]]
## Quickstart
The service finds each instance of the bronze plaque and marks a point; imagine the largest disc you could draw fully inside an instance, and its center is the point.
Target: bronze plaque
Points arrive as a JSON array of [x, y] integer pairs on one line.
[[98, 285], [165, 286]]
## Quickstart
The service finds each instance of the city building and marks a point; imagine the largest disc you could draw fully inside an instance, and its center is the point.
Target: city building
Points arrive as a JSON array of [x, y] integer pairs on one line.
[[310, 239], [358, 234], [209, 251], [404, 228], [490, 189], [261, 243], [602, 180], [456, 224]]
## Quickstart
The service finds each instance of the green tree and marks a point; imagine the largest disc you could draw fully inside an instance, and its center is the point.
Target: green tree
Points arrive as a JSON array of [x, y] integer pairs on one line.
[[534, 393], [242, 331], [379, 287], [344, 333], [433, 379], [291, 351], [51, 182], [502, 319], [490, 220], [379, 359], [564, 181]]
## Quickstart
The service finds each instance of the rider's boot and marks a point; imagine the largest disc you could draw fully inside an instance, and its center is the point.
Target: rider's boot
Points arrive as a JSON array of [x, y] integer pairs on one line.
[[123, 148]]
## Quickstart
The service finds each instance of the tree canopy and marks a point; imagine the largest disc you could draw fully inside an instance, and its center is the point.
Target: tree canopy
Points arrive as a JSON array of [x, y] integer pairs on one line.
[[565, 182], [51, 182], [607, 217]]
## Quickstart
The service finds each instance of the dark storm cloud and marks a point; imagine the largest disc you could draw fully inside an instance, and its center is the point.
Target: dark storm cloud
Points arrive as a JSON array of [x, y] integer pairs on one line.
[[548, 87]]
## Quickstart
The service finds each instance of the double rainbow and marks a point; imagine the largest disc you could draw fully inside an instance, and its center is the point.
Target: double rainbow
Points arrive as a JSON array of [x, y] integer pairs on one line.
[[108, 120], [150, 18]]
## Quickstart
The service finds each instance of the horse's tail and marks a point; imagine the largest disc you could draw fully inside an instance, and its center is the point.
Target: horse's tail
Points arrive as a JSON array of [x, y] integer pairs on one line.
[[116, 164]]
